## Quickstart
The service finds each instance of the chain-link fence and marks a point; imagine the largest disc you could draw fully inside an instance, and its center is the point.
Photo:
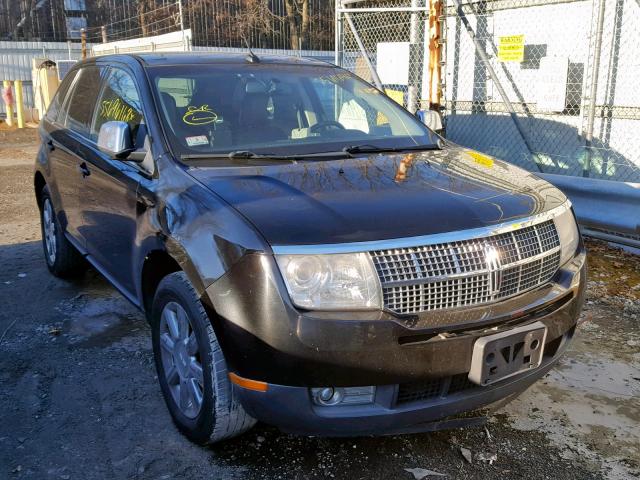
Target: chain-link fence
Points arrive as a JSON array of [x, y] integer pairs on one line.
[[384, 43], [545, 84]]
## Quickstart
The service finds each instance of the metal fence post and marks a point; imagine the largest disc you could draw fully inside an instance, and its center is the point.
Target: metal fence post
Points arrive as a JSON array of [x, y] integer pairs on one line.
[[435, 55], [338, 34], [416, 57], [593, 90], [185, 47]]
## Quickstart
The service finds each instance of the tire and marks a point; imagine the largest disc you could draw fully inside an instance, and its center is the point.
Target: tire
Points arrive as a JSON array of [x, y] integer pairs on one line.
[[189, 372], [62, 258]]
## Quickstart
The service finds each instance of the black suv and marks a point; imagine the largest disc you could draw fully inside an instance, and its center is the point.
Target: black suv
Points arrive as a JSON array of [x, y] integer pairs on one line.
[[307, 252]]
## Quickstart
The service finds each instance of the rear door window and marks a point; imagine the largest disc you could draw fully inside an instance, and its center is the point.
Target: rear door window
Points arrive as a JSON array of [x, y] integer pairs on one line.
[[83, 100], [119, 101]]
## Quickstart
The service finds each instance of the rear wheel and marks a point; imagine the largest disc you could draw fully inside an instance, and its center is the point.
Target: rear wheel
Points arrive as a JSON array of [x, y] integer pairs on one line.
[[191, 368], [63, 259]]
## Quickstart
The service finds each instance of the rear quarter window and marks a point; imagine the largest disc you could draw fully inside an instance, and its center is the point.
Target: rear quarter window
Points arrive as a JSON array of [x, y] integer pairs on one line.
[[57, 103], [83, 100]]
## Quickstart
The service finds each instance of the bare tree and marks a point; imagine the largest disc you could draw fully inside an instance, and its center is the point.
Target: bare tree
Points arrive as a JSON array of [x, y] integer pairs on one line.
[[255, 16], [298, 20], [144, 8]]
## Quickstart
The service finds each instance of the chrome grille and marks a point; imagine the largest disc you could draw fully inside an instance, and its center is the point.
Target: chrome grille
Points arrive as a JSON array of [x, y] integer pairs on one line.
[[467, 272]]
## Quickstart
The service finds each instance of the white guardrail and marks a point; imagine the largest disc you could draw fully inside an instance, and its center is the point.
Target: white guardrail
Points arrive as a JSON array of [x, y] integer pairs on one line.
[[605, 209]]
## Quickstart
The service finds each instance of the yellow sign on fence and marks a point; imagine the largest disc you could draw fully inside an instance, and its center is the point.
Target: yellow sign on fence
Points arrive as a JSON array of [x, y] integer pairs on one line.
[[511, 48]]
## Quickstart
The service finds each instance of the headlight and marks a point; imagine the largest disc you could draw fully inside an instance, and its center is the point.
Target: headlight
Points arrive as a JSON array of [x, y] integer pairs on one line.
[[331, 282], [569, 236]]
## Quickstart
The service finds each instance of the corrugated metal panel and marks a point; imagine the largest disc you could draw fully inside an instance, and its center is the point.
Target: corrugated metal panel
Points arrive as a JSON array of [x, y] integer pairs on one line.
[[15, 61], [179, 41]]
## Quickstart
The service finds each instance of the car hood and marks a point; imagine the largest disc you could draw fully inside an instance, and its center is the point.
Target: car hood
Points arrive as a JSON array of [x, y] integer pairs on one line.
[[379, 197]]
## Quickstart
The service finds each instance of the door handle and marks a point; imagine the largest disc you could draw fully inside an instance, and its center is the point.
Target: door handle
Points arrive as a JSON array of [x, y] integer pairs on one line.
[[51, 146], [84, 170]]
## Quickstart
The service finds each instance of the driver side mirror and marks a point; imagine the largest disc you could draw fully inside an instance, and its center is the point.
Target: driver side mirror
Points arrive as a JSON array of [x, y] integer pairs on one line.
[[114, 139]]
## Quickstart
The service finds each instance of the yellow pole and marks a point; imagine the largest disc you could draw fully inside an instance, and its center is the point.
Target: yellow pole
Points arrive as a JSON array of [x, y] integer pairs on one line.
[[83, 41], [19, 106], [435, 54], [7, 84]]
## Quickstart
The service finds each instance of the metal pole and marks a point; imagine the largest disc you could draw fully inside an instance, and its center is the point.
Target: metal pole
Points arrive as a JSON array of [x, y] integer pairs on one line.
[[180, 13], [103, 31], [53, 24], [337, 91], [593, 91], [374, 74], [19, 103], [338, 35], [485, 59], [184, 45], [434, 42], [415, 58]]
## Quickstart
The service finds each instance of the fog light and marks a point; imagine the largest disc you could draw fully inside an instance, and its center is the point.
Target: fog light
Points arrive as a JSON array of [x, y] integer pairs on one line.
[[328, 396], [325, 395]]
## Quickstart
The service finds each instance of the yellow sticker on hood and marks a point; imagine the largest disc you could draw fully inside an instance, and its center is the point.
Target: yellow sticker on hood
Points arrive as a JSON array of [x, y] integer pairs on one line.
[[481, 158]]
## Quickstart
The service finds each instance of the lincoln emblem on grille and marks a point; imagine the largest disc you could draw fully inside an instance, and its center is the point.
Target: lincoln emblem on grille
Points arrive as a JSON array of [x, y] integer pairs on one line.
[[492, 260]]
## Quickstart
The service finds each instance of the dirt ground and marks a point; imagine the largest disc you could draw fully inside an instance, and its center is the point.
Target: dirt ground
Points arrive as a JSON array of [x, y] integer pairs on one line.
[[80, 400]]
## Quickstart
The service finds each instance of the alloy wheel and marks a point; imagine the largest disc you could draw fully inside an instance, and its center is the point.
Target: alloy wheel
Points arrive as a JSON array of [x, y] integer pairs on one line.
[[49, 228], [181, 361]]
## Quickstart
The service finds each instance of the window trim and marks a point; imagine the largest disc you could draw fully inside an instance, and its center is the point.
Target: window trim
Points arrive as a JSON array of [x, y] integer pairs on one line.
[[81, 71], [63, 110]]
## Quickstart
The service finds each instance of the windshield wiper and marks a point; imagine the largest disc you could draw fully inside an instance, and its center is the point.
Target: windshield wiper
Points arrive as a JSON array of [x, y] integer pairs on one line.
[[349, 151], [249, 155], [366, 148], [236, 155]]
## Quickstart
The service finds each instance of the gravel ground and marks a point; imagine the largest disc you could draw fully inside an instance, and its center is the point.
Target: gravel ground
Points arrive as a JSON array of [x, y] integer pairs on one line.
[[80, 399]]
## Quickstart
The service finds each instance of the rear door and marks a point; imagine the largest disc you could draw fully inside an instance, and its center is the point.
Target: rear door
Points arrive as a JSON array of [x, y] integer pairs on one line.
[[65, 133], [109, 193], [62, 173], [73, 144]]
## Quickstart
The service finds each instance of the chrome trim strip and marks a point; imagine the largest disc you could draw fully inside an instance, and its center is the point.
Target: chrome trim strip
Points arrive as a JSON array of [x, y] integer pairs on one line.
[[484, 271], [439, 278], [515, 242], [460, 235]]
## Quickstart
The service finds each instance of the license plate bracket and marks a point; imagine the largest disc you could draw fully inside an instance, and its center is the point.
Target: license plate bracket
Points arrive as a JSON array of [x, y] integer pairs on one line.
[[502, 355]]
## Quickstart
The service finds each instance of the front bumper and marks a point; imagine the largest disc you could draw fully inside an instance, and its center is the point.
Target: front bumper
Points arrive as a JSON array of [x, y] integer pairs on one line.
[[265, 338], [292, 410]]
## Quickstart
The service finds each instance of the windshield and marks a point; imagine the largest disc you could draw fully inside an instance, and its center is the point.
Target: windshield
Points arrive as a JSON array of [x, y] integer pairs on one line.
[[279, 110]]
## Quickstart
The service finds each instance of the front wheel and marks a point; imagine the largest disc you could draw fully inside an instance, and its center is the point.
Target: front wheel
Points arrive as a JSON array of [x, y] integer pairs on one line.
[[191, 368]]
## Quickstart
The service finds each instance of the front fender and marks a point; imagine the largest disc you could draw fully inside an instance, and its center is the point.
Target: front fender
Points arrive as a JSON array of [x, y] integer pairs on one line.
[[200, 231]]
